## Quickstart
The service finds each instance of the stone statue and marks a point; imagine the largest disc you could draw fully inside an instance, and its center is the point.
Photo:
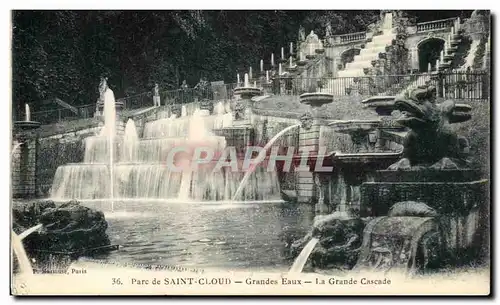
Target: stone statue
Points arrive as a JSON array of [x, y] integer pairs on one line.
[[156, 90], [328, 30], [430, 141], [239, 111], [302, 34], [103, 86], [306, 120], [339, 241], [312, 37], [70, 230]]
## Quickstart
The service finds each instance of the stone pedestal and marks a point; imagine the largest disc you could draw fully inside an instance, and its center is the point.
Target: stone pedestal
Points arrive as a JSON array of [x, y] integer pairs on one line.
[[243, 107], [311, 186], [24, 156], [455, 200], [156, 100]]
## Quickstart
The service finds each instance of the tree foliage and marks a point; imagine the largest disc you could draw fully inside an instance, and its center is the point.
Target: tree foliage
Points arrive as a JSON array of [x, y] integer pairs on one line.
[[63, 53]]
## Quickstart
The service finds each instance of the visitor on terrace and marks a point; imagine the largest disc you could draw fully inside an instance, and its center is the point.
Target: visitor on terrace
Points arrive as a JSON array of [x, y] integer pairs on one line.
[[200, 88], [183, 92]]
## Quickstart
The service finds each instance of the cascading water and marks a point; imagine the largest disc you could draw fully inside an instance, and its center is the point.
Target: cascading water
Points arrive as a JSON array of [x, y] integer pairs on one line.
[[130, 140], [301, 260], [260, 157], [110, 125], [140, 168]]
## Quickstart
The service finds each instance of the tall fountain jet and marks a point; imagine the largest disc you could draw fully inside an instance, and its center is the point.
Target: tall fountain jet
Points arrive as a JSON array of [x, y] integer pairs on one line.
[[247, 82], [28, 113], [109, 125], [130, 140]]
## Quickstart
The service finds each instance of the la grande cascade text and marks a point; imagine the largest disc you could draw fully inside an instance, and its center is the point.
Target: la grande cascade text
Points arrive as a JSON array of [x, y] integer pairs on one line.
[[251, 281]]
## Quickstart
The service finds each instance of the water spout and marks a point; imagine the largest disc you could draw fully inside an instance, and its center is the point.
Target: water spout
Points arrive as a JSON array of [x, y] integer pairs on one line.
[[272, 59], [247, 82], [19, 251], [130, 140], [16, 146], [29, 231], [301, 260], [259, 158], [261, 65], [238, 79], [110, 123], [22, 257], [28, 113], [279, 69]]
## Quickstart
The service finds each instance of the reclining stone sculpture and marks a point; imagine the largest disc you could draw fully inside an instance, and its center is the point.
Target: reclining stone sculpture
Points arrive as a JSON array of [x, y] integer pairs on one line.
[[430, 141]]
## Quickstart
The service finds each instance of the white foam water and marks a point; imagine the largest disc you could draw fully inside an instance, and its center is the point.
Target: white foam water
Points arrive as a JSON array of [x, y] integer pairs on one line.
[[301, 260]]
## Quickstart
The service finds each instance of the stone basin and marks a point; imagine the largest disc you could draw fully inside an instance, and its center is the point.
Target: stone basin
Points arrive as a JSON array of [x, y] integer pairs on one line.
[[354, 125], [316, 99], [328, 160], [384, 105], [382, 159], [247, 92], [26, 125]]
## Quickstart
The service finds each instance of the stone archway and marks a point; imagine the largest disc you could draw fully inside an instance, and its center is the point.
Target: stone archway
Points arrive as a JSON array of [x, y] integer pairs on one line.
[[347, 56], [429, 51]]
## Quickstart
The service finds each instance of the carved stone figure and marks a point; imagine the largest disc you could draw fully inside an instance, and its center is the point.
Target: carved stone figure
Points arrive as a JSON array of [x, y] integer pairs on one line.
[[306, 120], [103, 86], [156, 90], [239, 111], [176, 110], [339, 241], [312, 38], [207, 105], [70, 230], [302, 34], [328, 30], [430, 141]]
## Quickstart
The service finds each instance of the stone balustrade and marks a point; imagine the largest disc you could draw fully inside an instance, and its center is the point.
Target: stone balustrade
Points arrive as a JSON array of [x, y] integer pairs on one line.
[[435, 25], [344, 38]]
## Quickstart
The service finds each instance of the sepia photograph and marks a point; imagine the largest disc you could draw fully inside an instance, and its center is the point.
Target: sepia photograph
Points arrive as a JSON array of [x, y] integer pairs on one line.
[[250, 152]]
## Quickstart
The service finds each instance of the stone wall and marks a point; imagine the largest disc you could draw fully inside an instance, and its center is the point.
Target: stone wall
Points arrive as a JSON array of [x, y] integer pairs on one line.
[[23, 177], [58, 150]]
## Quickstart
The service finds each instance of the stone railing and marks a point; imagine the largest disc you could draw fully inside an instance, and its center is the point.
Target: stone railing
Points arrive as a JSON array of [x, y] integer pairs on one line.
[[451, 84], [435, 25], [60, 114], [344, 38]]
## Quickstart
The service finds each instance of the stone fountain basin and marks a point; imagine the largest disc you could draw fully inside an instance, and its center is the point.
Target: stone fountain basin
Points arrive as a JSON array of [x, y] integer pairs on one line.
[[247, 90], [316, 99], [26, 125], [328, 160], [378, 159], [384, 105], [354, 125]]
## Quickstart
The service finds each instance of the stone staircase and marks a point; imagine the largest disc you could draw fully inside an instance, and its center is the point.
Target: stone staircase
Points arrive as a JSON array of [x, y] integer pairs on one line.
[[361, 63], [371, 52]]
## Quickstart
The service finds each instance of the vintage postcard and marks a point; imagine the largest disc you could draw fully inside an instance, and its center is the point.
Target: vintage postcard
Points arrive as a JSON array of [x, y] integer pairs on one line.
[[267, 152]]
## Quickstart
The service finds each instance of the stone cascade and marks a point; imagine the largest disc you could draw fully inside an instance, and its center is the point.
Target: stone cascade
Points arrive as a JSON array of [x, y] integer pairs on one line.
[[450, 47], [374, 49], [371, 52]]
